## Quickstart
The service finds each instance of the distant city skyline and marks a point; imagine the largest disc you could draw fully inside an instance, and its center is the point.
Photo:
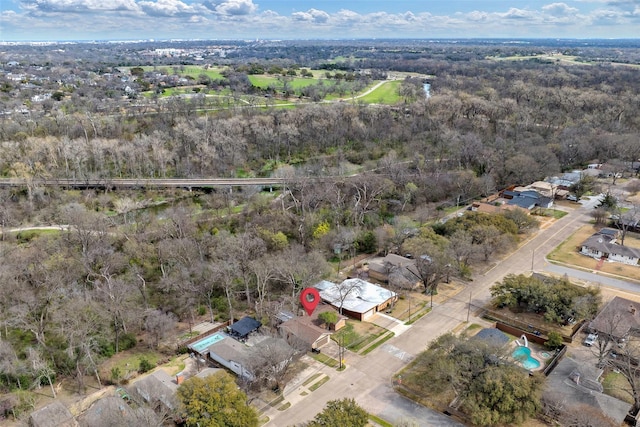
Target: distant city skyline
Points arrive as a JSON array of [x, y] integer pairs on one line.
[[61, 20]]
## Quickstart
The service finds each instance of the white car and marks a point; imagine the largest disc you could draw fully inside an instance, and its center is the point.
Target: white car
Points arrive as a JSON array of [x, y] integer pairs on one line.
[[590, 340]]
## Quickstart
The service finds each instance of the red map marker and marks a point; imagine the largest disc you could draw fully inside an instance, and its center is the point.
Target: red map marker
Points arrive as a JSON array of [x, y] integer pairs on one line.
[[309, 298]]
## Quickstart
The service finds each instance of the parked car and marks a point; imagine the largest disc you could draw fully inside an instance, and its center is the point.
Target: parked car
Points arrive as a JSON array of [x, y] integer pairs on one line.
[[572, 198], [590, 340]]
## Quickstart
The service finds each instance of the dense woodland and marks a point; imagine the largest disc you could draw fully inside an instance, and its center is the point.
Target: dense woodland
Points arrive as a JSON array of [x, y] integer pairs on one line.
[[132, 263]]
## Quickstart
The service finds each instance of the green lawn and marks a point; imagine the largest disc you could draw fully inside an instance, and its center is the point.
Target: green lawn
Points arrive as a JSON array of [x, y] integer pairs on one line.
[[385, 94], [195, 71], [357, 335], [615, 385], [263, 81], [323, 358]]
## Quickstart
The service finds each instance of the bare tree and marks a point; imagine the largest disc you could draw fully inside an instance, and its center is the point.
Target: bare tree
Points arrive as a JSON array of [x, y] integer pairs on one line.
[[158, 324], [41, 369], [272, 360], [626, 220], [347, 288]]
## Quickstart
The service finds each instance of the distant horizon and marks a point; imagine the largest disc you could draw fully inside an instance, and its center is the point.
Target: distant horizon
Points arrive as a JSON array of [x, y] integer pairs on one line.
[[275, 39], [80, 20]]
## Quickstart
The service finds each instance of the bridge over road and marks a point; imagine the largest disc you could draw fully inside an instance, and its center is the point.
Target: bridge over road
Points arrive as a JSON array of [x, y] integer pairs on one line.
[[142, 182]]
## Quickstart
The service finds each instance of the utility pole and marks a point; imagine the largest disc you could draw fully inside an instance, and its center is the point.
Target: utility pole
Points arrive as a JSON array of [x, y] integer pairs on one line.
[[469, 307], [533, 255]]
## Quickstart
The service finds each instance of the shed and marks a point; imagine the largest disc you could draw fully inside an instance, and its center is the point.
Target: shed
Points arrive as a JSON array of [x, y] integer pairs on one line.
[[243, 327]]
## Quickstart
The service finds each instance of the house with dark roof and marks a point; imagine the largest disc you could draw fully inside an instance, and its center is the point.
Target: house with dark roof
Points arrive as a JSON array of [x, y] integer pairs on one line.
[[604, 246], [243, 327], [527, 199]]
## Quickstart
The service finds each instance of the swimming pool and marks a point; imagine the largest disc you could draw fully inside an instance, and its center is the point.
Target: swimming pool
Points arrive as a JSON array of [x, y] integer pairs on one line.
[[202, 345], [523, 355]]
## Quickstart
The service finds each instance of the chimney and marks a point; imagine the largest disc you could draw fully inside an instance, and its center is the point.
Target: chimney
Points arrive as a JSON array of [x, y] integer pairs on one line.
[[179, 378]]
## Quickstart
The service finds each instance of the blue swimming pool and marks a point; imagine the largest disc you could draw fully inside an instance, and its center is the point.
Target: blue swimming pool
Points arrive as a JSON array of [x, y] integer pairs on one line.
[[202, 345], [523, 355]]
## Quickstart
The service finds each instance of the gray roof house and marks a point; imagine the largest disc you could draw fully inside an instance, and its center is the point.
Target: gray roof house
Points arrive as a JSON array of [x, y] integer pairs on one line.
[[232, 354], [54, 414], [527, 199], [602, 246], [575, 383], [619, 319], [156, 389]]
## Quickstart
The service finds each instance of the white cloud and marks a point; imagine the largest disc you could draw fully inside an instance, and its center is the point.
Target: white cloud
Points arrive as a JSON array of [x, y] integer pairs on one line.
[[235, 7], [312, 15], [167, 8], [559, 9], [80, 5], [212, 18]]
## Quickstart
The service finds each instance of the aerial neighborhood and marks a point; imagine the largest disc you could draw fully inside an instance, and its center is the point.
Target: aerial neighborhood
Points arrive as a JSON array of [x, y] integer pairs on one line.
[[320, 233]]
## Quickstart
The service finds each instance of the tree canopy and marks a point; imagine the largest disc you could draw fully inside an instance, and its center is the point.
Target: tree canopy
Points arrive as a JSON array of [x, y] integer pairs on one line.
[[215, 401], [479, 375], [340, 413], [557, 299]]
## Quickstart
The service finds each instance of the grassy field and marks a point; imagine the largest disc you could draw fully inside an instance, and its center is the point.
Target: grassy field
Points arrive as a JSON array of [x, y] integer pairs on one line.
[[385, 94], [567, 253], [194, 71], [264, 81]]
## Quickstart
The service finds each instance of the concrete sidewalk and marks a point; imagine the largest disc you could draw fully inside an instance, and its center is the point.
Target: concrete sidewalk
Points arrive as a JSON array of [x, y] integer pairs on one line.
[[390, 323]]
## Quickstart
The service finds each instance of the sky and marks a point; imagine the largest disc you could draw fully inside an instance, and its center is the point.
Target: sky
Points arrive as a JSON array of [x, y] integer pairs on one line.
[[58, 20]]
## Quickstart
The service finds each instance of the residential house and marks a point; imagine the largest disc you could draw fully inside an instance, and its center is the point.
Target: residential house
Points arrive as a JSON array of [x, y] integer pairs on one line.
[[157, 389], [231, 354], [603, 246], [396, 270], [356, 298], [54, 414], [115, 411], [303, 330], [619, 319], [527, 199], [573, 383], [546, 189]]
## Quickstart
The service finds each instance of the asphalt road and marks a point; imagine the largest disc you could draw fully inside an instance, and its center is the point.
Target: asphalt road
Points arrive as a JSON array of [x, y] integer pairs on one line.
[[368, 379]]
